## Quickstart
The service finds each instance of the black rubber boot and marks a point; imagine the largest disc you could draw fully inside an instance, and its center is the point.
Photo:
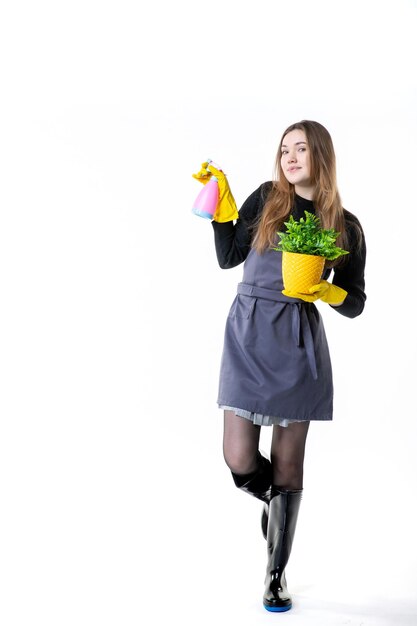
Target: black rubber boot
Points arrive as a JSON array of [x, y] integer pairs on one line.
[[264, 519], [282, 520], [258, 483]]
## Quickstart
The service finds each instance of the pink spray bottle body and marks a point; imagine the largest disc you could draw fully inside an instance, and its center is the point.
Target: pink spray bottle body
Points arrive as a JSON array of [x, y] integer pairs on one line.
[[205, 205]]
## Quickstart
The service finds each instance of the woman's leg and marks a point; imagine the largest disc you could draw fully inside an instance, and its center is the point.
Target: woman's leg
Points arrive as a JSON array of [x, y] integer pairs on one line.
[[251, 471], [240, 443], [287, 455]]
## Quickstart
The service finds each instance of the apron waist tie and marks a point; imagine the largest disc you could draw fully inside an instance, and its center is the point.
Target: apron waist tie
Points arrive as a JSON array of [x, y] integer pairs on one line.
[[300, 324]]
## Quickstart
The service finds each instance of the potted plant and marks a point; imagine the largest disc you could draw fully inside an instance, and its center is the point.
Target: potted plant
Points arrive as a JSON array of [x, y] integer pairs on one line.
[[305, 247]]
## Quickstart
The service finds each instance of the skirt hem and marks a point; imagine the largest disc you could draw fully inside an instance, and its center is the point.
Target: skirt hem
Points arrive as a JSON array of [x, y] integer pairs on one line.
[[262, 419]]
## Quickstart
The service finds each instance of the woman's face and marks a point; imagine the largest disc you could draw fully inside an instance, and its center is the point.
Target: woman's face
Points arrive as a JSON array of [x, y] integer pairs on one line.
[[295, 160]]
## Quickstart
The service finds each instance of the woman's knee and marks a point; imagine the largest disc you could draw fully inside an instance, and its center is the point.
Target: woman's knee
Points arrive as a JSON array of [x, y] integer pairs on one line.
[[288, 473], [240, 460]]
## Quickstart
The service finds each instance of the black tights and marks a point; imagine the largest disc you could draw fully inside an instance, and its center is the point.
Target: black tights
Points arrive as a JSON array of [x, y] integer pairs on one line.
[[241, 443]]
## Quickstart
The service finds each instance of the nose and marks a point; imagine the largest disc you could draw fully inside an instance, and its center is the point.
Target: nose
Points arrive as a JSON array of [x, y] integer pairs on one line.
[[292, 157]]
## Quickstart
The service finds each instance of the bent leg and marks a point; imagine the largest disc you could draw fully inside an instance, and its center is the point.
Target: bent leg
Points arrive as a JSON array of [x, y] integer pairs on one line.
[[251, 471], [240, 443]]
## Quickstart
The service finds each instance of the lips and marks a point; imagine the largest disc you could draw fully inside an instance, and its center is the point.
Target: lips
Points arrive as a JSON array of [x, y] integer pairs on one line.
[[293, 169]]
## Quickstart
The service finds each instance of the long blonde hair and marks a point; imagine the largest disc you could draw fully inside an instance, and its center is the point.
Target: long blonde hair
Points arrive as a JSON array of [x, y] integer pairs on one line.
[[326, 198]]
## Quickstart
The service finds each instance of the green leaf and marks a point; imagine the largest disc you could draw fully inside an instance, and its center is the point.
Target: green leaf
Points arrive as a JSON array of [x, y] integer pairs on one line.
[[306, 236]]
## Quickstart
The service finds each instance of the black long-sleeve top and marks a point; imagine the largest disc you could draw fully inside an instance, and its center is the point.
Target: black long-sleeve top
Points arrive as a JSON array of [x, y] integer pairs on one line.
[[233, 242]]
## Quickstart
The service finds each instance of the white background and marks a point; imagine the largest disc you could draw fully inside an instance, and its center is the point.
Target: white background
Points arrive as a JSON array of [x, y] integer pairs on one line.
[[116, 505]]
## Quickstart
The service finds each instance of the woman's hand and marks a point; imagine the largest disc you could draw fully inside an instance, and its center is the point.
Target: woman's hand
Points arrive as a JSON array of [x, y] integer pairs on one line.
[[332, 294], [203, 176], [226, 207]]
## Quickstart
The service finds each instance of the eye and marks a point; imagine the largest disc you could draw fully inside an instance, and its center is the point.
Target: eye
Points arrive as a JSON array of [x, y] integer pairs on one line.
[[302, 149], [284, 152]]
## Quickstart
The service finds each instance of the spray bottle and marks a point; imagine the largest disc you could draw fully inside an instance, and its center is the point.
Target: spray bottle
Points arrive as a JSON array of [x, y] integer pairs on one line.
[[205, 205]]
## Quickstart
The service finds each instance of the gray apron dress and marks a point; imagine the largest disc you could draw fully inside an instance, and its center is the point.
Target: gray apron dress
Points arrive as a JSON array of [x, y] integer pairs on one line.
[[275, 366]]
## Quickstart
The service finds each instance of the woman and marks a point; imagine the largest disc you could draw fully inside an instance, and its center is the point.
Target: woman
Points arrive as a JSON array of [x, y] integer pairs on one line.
[[276, 367]]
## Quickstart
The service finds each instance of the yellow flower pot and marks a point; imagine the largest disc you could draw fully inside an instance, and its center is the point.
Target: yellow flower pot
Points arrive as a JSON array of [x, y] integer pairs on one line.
[[301, 271]]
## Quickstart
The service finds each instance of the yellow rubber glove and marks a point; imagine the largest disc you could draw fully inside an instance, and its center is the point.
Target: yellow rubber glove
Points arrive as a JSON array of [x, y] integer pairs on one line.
[[203, 176], [332, 294], [226, 208]]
